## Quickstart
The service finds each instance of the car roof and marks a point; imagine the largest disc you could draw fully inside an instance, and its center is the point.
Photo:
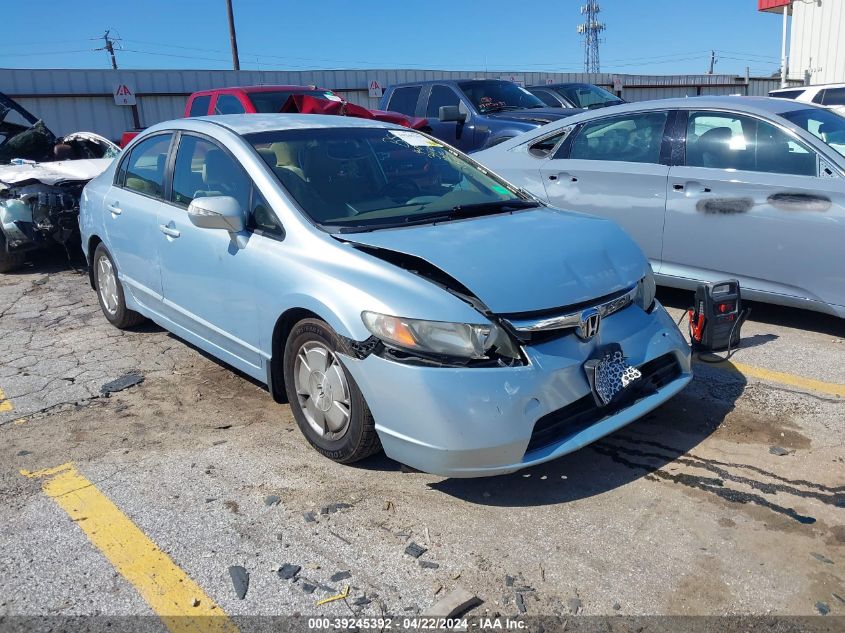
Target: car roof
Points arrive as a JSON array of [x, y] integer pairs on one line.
[[250, 123], [262, 88], [790, 88], [752, 105], [446, 81]]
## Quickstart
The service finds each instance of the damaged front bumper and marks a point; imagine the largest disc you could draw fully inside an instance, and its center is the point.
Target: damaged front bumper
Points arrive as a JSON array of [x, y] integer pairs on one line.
[[470, 422], [34, 215]]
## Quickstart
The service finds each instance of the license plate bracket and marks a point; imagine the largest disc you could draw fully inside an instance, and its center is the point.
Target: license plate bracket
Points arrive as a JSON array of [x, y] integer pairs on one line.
[[609, 375]]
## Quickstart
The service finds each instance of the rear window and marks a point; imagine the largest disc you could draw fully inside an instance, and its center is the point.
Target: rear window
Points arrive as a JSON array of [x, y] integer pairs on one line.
[[272, 102], [199, 106], [404, 100]]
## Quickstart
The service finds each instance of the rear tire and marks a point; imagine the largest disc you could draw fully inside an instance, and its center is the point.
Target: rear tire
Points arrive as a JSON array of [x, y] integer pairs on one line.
[[9, 261], [110, 291], [327, 404]]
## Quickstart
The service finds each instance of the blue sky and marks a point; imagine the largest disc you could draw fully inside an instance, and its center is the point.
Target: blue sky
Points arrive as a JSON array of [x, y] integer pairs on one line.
[[643, 36]]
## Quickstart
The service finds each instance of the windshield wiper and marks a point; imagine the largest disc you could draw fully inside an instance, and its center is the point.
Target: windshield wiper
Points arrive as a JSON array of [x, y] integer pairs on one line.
[[460, 211]]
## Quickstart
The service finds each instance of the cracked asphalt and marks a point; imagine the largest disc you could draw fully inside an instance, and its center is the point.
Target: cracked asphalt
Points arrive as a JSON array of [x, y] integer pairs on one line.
[[687, 511]]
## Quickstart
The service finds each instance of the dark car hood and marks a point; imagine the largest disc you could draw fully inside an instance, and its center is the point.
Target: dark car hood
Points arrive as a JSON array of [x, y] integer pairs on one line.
[[539, 116], [531, 260]]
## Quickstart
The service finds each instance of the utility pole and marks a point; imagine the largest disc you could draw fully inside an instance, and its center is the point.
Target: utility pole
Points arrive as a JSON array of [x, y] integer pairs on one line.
[[712, 62], [590, 30], [236, 64], [110, 48], [783, 59]]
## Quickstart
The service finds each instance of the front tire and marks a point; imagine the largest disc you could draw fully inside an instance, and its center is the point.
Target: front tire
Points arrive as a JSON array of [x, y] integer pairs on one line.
[[110, 291], [328, 406]]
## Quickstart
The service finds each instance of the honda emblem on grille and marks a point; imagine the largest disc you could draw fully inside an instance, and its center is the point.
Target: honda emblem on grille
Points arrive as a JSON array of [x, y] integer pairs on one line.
[[589, 324]]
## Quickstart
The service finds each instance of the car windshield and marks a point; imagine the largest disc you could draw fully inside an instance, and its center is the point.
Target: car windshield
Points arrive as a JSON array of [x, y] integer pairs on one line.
[[272, 102], [588, 96], [823, 124], [358, 179], [495, 96]]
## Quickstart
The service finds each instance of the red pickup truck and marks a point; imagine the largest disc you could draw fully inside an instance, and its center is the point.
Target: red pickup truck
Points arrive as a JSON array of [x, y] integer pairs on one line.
[[253, 99], [272, 99]]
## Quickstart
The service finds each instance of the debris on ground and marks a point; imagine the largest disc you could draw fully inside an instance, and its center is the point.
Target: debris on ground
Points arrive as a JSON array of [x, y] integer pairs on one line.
[[196, 602], [331, 508], [616, 606], [23, 453], [509, 580], [823, 608], [341, 575], [288, 571], [838, 597], [453, 604], [436, 588], [309, 517], [388, 505], [427, 564], [574, 604], [362, 601], [124, 382], [415, 550], [272, 500], [520, 603], [340, 596], [240, 580], [232, 506], [338, 536], [780, 451], [821, 558], [307, 587]]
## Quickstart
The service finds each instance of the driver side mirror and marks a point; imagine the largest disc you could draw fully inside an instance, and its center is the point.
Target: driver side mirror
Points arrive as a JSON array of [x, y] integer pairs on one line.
[[451, 113], [217, 212]]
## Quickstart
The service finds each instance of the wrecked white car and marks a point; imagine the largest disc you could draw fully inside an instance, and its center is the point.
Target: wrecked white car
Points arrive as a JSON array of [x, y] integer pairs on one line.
[[41, 180]]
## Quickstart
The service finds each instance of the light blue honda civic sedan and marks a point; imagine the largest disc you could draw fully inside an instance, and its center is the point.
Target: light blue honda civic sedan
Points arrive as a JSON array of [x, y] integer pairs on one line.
[[393, 291]]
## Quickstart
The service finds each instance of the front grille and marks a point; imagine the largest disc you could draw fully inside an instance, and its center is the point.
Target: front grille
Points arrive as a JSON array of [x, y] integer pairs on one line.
[[583, 413]]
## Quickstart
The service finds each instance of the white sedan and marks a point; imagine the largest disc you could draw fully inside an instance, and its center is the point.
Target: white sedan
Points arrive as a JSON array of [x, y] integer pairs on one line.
[[709, 187]]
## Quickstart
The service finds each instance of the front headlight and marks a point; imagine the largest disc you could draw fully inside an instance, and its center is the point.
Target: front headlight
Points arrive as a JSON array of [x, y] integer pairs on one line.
[[646, 291], [464, 340]]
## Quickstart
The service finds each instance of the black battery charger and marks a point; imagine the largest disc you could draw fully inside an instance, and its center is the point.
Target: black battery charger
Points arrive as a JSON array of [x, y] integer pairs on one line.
[[716, 318]]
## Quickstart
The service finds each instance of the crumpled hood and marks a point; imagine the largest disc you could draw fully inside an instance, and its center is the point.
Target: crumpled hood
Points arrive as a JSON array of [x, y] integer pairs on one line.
[[540, 116], [531, 260], [52, 172]]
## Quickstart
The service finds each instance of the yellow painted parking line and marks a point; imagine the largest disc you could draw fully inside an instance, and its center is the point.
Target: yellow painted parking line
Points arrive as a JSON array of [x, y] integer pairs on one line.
[[784, 378], [5, 404], [169, 591]]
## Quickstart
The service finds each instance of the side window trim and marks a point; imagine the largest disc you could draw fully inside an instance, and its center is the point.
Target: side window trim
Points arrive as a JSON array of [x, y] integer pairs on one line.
[[125, 159]]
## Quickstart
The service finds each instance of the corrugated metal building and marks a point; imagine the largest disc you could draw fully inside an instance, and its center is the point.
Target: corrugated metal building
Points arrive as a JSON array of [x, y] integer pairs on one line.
[[74, 100], [817, 45]]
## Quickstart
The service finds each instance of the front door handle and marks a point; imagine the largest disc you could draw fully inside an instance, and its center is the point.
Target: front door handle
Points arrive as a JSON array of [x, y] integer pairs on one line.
[[115, 209], [563, 176], [169, 231]]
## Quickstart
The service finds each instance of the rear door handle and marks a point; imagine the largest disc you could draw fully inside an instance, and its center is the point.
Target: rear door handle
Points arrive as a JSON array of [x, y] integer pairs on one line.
[[168, 231], [691, 187], [115, 209]]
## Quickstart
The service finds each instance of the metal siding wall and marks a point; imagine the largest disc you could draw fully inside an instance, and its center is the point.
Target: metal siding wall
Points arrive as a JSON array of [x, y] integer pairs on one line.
[[94, 108], [816, 43]]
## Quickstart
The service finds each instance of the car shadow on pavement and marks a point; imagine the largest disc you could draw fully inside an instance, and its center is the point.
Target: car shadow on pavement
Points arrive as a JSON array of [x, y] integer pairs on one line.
[[767, 313], [50, 261], [631, 453]]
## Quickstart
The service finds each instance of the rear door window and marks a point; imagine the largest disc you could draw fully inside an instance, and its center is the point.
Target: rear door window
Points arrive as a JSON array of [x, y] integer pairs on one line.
[[199, 106], [547, 98], [732, 141], [143, 170], [834, 97], [786, 94], [440, 96], [632, 138], [404, 100], [228, 104]]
